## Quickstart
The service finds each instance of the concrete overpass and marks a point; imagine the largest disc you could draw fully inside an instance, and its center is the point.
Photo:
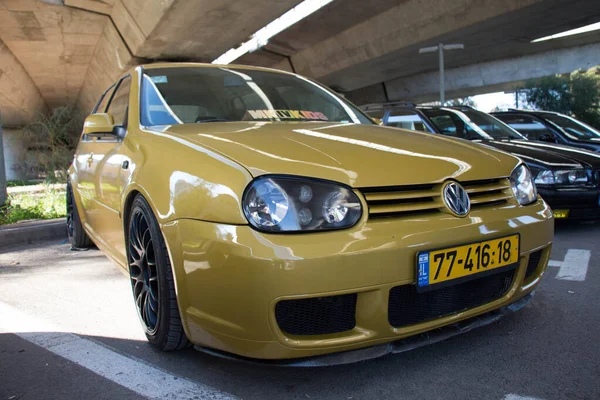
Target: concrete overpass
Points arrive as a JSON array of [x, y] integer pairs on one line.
[[56, 52]]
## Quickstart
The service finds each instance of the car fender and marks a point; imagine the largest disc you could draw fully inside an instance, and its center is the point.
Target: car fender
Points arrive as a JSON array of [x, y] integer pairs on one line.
[[180, 180]]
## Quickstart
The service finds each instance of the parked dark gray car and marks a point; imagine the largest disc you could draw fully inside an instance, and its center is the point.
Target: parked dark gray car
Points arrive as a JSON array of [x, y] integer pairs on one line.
[[552, 127], [568, 178]]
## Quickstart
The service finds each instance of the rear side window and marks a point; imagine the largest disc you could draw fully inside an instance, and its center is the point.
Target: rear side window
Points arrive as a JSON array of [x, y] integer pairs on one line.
[[118, 105], [101, 106], [376, 114], [407, 120]]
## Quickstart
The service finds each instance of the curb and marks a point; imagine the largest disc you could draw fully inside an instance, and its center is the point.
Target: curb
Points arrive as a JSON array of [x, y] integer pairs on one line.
[[31, 232]]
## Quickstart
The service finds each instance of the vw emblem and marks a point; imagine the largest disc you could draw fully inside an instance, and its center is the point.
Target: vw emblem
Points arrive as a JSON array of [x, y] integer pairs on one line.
[[456, 199]]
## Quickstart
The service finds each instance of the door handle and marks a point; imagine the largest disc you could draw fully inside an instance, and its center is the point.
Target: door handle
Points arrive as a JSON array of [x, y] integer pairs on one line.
[[90, 159]]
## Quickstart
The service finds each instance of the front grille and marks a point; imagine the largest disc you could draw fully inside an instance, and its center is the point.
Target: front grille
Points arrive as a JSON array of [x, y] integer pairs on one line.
[[399, 201], [317, 316], [488, 192], [532, 264], [407, 306]]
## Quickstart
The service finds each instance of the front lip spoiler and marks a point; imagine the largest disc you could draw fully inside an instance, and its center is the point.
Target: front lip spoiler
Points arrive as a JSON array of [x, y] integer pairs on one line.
[[399, 346]]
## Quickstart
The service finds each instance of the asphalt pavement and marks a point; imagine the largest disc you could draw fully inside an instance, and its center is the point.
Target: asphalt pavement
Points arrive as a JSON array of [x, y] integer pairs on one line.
[[68, 329]]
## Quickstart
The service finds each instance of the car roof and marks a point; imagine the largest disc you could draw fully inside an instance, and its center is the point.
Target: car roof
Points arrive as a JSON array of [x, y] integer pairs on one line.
[[521, 111], [387, 106], [208, 65]]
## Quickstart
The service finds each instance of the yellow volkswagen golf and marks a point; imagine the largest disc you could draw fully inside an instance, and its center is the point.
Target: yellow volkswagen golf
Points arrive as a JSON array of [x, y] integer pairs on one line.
[[260, 215]]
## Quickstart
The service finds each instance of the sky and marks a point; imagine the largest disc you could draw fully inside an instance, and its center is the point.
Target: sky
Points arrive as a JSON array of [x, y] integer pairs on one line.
[[486, 102]]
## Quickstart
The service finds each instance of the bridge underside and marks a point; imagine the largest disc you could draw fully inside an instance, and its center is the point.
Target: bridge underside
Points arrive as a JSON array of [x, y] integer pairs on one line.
[[58, 52]]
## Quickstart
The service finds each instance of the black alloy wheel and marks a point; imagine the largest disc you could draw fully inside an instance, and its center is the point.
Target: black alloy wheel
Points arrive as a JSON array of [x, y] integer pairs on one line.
[[142, 268], [152, 279], [75, 232]]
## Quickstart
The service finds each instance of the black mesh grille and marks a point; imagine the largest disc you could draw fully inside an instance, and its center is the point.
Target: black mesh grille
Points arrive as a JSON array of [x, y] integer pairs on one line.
[[534, 260], [407, 306], [317, 316]]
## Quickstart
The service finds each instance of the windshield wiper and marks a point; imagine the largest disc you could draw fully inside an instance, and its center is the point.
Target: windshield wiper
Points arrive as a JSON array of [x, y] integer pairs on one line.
[[201, 121]]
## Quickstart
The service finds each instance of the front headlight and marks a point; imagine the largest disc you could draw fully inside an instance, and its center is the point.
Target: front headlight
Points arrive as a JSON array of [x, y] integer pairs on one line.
[[291, 204], [522, 185], [561, 177]]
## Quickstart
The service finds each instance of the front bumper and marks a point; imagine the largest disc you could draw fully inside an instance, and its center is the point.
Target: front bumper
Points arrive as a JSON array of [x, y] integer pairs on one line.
[[581, 203], [399, 346], [230, 278]]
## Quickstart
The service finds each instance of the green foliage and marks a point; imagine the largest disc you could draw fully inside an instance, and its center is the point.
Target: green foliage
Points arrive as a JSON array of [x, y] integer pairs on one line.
[[25, 206], [16, 183], [577, 94], [585, 90], [52, 140]]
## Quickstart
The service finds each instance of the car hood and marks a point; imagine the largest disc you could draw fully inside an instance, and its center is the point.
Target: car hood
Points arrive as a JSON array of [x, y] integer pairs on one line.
[[548, 155], [357, 155]]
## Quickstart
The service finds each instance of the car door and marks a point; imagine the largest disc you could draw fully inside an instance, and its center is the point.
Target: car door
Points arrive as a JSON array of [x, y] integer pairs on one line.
[[105, 168], [85, 184]]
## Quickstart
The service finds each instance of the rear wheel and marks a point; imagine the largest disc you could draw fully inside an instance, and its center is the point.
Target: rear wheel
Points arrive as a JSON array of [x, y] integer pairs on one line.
[[77, 236], [152, 279]]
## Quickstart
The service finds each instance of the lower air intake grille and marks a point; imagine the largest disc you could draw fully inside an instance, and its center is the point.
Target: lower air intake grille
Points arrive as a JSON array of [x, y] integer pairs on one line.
[[532, 265], [407, 306], [317, 316]]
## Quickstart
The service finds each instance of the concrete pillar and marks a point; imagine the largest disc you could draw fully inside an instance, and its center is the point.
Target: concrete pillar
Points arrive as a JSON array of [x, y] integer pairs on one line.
[[2, 170]]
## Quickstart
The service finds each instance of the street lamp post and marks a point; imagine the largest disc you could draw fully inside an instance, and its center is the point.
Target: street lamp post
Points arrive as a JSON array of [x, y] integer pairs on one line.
[[440, 48]]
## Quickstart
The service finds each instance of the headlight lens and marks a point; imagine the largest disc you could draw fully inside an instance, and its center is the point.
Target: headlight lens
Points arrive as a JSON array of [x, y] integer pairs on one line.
[[522, 185], [561, 177], [288, 204]]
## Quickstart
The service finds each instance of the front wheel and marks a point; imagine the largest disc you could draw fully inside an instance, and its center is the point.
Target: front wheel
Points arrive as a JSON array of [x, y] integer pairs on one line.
[[152, 279]]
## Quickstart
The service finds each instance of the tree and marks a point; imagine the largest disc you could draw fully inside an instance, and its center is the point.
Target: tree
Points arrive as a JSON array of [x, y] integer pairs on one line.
[[52, 140], [461, 101], [577, 94], [585, 89]]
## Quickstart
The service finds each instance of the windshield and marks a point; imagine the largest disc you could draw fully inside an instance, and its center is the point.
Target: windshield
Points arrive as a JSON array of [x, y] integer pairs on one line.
[[492, 126], [202, 94], [470, 124], [572, 127]]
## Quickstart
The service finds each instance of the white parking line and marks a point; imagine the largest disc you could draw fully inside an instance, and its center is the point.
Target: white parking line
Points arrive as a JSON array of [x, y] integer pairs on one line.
[[517, 397], [136, 375], [575, 265]]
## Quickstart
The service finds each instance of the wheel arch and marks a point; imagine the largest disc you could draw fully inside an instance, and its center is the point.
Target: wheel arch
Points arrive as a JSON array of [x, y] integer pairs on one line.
[[129, 197]]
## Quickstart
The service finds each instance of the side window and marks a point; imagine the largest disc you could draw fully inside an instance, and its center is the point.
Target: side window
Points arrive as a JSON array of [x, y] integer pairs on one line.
[[447, 126], [450, 124], [376, 113], [101, 106], [118, 105], [407, 120]]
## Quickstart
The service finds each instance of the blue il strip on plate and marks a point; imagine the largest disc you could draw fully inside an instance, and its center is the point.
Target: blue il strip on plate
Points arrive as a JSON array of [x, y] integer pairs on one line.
[[423, 271]]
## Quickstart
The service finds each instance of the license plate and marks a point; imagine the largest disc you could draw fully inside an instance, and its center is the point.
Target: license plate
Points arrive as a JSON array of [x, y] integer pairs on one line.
[[560, 213], [462, 262]]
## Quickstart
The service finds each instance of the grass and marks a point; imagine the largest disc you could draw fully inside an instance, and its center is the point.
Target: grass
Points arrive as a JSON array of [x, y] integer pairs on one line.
[[48, 204]]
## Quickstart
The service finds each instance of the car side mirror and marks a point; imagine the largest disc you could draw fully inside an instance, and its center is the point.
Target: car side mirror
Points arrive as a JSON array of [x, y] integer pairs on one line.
[[378, 121], [544, 137], [100, 124]]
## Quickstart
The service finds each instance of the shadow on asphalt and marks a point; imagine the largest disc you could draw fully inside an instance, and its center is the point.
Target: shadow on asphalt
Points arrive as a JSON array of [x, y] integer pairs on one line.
[[566, 226]]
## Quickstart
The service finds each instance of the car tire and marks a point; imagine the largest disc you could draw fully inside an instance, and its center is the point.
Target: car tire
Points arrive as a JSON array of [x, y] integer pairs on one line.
[[152, 279], [77, 236]]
